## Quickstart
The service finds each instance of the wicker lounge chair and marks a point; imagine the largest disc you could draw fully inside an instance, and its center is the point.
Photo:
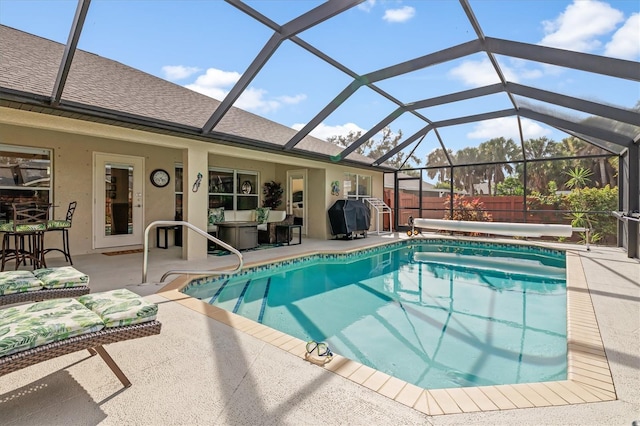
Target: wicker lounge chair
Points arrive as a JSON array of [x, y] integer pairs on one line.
[[41, 284], [107, 317]]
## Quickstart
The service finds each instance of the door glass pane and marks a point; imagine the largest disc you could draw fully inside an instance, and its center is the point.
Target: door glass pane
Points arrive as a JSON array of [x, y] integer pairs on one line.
[[118, 199], [178, 191], [364, 183], [351, 184]]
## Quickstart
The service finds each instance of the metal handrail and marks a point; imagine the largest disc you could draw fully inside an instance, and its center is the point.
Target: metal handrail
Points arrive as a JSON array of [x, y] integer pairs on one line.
[[145, 259]]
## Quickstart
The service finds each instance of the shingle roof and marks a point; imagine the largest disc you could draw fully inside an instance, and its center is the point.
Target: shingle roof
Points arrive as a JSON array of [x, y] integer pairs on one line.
[[30, 64]]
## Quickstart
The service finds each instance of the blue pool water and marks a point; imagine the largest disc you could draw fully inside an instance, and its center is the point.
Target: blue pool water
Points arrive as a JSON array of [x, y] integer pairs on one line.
[[435, 313]]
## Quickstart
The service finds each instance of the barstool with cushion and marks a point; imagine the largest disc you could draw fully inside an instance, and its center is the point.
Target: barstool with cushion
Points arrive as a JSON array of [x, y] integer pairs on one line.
[[27, 232], [63, 226]]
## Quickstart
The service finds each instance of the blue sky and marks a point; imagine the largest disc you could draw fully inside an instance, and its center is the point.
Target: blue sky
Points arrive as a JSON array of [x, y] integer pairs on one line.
[[207, 45]]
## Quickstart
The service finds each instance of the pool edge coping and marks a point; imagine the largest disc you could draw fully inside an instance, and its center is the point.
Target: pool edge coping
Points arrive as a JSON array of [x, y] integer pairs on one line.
[[589, 377]]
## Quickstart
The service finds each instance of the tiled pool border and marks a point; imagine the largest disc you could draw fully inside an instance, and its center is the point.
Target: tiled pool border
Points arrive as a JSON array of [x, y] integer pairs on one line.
[[304, 259], [588, 380]]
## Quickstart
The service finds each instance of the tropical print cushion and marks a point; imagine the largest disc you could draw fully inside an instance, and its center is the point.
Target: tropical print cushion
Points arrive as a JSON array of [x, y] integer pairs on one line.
[[216, 215], [58, 224], [61, 277], [262, 214], [18, 282], [120, 307], [27, 227], [27, 326]]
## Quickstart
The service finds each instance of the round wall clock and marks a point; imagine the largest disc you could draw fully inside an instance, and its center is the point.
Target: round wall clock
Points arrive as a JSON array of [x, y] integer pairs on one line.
[[160, 178]]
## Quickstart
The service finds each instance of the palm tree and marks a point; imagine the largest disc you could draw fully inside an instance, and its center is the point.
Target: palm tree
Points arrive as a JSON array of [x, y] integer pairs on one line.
[[540, 173], [470, 175], [437, 157], [578, 178], [495, 151]]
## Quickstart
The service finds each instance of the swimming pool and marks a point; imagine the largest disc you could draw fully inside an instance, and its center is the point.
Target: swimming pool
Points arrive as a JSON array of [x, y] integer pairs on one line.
[[435, 313]]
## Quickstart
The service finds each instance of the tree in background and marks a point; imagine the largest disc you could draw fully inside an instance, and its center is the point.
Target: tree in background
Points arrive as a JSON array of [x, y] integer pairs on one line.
[[540, 173], [468, 176], [437, 157], [604, 170], [511, 185], [376, 149], [497, 151]]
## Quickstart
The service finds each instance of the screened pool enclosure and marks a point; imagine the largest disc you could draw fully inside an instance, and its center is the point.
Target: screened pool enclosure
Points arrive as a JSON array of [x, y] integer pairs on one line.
[[519, 119]]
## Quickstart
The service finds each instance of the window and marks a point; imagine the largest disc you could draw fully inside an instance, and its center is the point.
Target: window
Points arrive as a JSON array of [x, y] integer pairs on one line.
[[178, 191], [233, 189], [359, 186], [25, 175]]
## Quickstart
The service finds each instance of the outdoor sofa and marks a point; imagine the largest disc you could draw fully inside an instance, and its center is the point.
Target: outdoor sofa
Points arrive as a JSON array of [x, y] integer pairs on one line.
[[266, 219]]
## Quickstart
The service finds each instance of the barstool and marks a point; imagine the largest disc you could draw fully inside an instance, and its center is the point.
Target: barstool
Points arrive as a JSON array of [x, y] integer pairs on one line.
[[63, 226], [27, 231]]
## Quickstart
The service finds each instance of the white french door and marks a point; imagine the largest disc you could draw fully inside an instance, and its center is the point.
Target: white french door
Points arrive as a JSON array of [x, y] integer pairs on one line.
[[297, 197], [118, 188]]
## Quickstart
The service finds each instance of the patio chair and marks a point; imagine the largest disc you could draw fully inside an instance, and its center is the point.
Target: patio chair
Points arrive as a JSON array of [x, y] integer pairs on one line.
[[63, 226], [26, 230], [44, 330], [268, 234]]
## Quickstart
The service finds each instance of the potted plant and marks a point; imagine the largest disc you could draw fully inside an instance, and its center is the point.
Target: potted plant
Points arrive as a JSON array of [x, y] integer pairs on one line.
[[272, 192]]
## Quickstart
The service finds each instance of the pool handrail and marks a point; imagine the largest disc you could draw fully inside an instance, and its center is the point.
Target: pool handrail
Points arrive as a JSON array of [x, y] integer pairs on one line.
[[145, 258]]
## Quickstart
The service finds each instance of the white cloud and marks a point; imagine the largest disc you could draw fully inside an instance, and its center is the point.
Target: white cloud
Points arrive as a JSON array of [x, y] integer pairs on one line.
[[216, 84], [178, 72], [399, 15], [481, 73], [625, 43], [367, 5], [292, 100], [578, 27], [507, 127], [477, 73], [323, 131]]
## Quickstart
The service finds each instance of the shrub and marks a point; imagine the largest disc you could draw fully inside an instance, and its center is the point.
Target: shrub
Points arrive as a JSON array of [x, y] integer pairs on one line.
[[466, 209]]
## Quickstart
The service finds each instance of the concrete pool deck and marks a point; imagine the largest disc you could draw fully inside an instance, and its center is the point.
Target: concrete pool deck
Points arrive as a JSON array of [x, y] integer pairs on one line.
[[201, 371]]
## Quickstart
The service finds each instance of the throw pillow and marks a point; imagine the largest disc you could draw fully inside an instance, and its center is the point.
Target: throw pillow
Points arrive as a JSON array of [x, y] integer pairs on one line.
[[262, 214], [216, 215]]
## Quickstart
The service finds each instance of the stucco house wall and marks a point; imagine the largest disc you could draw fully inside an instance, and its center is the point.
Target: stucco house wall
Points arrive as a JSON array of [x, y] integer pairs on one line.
[[73, 143]]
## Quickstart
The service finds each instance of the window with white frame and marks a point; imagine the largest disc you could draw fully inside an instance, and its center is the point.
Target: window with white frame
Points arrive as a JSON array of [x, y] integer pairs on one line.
[[233, 189], [25, 175], [357, 186]]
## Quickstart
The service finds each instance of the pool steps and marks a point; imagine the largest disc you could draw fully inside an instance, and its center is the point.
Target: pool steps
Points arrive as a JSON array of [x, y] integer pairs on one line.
[[248, 299]]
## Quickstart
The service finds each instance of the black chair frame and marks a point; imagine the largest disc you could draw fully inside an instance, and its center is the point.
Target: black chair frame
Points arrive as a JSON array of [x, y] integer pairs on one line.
[[65, 234]]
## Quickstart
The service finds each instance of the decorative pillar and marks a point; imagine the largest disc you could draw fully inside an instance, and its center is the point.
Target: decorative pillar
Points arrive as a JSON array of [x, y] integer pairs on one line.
[[195, 199]]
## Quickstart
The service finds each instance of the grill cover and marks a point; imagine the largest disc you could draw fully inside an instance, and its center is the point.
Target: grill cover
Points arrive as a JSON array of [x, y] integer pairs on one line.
[[349, 216]]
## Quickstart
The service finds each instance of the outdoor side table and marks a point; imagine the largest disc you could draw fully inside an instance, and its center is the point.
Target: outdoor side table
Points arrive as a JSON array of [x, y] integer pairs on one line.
[[289, 233], [166, 230]]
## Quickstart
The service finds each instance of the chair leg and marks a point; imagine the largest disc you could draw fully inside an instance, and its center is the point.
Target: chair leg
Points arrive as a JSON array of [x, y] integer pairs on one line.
[[65, 245], [65, 250], [113, 366], [18, 243], [6, 250]]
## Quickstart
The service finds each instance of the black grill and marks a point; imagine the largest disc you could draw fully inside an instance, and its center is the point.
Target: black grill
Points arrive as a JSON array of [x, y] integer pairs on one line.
[[349, 218]]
